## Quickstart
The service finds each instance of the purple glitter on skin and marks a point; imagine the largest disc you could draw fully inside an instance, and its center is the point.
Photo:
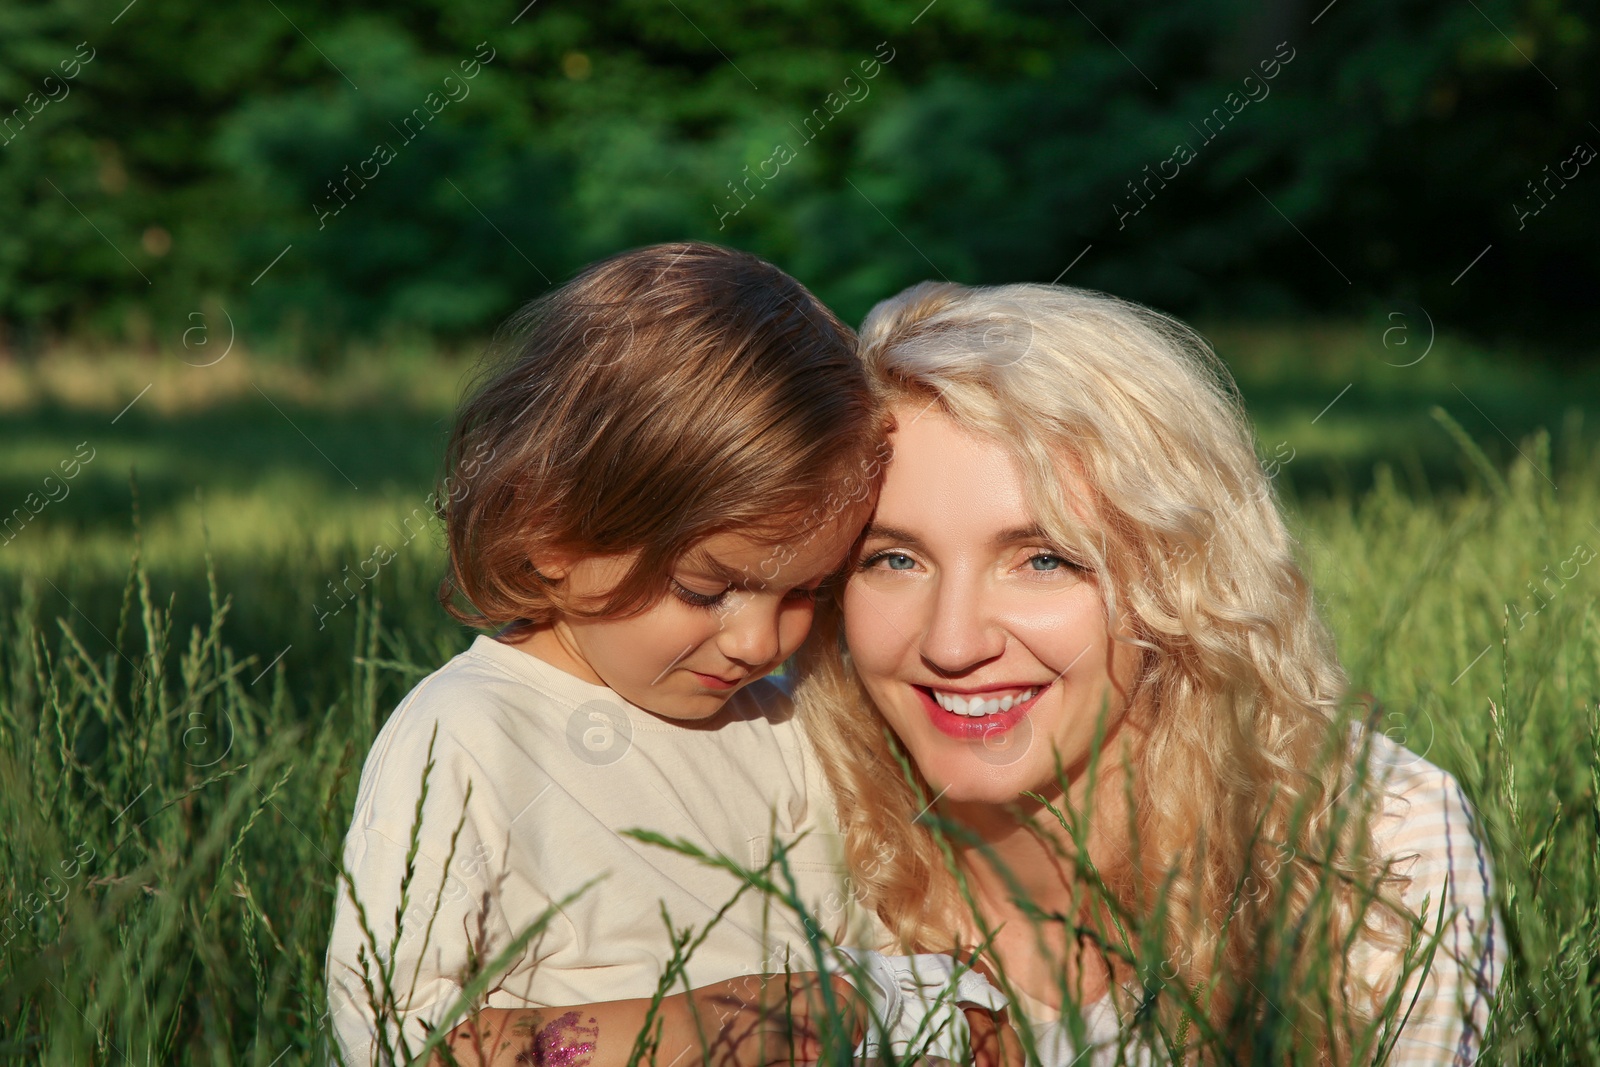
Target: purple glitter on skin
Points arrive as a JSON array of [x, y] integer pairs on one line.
[[562, 1042]]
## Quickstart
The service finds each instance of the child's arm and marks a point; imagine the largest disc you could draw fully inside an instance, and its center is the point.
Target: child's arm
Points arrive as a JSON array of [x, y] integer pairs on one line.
[[751, 1021]]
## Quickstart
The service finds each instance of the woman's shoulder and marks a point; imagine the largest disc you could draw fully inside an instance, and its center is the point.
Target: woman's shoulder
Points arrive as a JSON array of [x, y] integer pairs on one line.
[[1426, 828], [1422, 807], [1427, 831], [1393, 762]]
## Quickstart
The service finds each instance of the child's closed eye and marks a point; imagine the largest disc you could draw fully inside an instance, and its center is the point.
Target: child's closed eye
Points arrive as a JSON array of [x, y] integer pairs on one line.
[[698, 599]]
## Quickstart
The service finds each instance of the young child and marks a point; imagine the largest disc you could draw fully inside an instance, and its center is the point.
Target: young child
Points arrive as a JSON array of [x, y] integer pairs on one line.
[[648, 496]]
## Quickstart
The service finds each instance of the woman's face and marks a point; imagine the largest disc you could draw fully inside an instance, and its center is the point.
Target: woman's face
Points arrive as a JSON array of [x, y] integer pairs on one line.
[[983, 645]]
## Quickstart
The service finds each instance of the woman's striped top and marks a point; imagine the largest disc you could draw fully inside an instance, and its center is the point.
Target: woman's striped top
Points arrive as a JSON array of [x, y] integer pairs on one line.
[[1427, 829]]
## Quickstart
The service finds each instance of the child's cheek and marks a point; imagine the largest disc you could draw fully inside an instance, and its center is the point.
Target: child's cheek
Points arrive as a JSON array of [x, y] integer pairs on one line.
[[688, 626], [794, 625]]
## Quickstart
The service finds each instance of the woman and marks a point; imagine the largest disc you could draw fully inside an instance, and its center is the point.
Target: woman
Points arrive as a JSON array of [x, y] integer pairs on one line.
[[1109, 752]]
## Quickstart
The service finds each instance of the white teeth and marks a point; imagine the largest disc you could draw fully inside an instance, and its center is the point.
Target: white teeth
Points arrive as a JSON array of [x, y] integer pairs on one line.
[[976, 707]]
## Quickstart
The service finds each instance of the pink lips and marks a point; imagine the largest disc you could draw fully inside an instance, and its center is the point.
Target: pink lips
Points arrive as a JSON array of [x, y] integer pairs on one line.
[[965, 728], [711, 681]]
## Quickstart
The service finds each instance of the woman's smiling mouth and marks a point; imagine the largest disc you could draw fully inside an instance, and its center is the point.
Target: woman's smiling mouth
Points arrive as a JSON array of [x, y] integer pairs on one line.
[[986, 703], [975, 715]]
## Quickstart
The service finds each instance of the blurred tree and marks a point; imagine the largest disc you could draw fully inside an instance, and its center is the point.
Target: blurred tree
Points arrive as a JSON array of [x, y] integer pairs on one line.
[[330, 171]]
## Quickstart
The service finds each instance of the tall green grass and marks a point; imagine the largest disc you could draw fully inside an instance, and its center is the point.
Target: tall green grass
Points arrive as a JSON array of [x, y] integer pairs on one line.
[[175, 786]]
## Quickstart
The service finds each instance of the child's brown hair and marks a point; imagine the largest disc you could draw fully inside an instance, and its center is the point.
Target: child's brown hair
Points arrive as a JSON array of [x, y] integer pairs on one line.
[[662, 396]]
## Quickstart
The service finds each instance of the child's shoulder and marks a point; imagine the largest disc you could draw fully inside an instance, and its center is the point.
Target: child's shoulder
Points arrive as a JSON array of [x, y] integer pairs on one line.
[[487, 683], [488, 705]]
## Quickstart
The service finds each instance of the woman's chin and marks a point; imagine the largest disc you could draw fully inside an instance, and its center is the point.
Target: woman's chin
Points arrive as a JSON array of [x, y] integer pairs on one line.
[[978, 794], [974, 778]]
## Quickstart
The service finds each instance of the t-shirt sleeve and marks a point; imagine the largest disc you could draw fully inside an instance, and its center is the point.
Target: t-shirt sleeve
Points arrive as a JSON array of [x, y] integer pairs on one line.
[[1438, 844], [456, 910], [409, 981]]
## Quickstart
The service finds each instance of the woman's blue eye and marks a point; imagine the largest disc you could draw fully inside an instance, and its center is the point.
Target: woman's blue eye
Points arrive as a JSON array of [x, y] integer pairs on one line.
[[1046, 561], [896, 561]]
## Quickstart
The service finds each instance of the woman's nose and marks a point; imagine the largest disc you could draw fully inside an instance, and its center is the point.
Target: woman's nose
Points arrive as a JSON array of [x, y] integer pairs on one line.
[[960, 631]]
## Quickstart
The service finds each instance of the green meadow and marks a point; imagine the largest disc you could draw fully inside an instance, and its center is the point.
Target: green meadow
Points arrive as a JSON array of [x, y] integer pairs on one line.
[[199, 638]]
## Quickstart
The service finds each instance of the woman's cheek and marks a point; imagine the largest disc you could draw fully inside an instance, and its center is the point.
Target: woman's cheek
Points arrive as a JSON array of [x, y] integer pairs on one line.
[[868, 629], [885, 611]]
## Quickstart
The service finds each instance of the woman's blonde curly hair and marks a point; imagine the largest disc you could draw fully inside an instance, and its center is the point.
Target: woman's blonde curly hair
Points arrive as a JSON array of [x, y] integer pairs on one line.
[[1239, 694]]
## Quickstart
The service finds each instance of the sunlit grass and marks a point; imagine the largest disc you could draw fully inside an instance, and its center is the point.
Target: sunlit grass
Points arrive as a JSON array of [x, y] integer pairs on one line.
[[192, 761]]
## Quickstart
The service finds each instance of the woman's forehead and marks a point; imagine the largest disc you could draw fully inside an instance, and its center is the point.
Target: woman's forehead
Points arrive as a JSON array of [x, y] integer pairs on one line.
[[944, 472]]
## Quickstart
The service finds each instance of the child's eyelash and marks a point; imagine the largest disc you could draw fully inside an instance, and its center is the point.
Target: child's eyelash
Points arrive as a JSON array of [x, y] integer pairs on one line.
[[698, 600]]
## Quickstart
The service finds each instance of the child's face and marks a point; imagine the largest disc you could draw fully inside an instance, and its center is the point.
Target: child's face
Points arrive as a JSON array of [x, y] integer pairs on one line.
[[735, 610]]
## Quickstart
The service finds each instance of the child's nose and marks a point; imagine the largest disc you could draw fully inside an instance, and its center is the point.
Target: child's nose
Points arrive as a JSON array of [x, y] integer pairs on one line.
[[749, 633]]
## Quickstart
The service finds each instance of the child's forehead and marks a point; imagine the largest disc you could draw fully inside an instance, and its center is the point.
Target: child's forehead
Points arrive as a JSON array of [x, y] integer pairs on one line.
[[744, 559]]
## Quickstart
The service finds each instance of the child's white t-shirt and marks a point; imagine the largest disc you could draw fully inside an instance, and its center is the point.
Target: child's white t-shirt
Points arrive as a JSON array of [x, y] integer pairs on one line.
[[558, 768]]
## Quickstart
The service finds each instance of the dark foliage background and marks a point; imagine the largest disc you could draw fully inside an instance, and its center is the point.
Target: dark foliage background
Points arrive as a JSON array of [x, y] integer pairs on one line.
[[996, 144]]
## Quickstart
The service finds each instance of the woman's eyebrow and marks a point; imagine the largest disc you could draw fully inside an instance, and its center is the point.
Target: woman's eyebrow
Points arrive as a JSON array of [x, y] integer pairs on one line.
[[879, 532], [1016, 535], [1021, 535]]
